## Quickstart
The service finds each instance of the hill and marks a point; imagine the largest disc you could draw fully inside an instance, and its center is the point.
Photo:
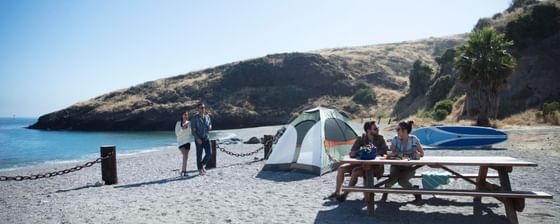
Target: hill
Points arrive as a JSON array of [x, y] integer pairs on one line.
[[534, 27], [262, 91]]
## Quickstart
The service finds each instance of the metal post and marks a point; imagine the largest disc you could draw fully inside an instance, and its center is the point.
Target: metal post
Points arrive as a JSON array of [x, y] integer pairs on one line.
[[267, 145], [109, 166], [212, 162]]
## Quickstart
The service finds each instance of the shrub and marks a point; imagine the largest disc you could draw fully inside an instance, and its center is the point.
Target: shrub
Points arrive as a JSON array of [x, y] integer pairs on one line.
[[446, 105], [420, 76], [440, 89], [549, 108], [365, 96], [440, 114], [352, 108], [426, 114]]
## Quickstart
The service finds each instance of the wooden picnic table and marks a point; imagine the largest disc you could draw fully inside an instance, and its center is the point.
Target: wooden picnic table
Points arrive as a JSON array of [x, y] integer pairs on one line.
[[514, 201]]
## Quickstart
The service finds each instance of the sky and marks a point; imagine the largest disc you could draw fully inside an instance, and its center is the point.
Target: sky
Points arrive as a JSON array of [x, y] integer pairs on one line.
[[57, 53]]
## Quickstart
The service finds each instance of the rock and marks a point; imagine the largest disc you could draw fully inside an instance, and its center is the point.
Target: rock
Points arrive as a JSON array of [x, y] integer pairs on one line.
[[253, 140]]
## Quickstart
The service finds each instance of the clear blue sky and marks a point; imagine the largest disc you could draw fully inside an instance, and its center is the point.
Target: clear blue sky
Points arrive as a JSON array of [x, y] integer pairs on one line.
[[56, 53]]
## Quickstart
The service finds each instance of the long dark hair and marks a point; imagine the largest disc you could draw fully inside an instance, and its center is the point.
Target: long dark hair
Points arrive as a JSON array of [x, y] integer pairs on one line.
[[406, 125], [368, 125], [181, 117]]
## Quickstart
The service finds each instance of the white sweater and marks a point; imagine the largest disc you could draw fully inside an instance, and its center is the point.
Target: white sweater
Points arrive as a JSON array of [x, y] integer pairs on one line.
[[184, 135]]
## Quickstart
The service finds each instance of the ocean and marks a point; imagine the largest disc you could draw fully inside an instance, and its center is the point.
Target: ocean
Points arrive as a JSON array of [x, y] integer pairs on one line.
[[23, 147]]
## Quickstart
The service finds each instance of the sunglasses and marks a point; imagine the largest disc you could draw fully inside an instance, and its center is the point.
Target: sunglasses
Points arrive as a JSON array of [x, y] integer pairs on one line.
[[399, 129], [375, 129]]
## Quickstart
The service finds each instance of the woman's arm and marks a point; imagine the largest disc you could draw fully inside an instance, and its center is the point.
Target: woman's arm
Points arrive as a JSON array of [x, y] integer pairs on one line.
[[178, 128], [419, 148], [392, 148]]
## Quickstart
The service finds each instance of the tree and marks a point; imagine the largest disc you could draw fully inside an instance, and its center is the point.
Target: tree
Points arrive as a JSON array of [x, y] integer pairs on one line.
[[365, 96], [484, 65], [420, 76]]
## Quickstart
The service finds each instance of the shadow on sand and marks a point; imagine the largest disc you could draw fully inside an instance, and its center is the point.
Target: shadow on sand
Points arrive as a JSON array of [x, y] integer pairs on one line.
[[283, 176], [354, 211], [162, 181], [79, 188]]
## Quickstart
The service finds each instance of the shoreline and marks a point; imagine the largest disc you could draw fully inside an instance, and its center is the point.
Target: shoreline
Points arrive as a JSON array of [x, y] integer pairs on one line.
[[92, 156], [237, 191]]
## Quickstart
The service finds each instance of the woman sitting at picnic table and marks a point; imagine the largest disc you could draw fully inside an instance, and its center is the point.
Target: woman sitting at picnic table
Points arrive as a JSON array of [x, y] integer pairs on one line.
[[404, 146]]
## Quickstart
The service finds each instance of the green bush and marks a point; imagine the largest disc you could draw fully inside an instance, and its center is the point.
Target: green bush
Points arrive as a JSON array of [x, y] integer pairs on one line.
[[455, 98], [352, 108], [426, 114], [446, 105], [549, 108], [440, 89], [365, 96], [420, 76], [440, 114]]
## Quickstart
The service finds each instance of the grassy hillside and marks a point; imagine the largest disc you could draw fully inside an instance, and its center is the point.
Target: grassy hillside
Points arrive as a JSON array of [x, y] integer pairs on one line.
[[261, 91], [534, 27]]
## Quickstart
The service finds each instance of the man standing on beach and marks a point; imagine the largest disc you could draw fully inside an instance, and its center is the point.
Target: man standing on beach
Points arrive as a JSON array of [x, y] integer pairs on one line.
[[201, 126]]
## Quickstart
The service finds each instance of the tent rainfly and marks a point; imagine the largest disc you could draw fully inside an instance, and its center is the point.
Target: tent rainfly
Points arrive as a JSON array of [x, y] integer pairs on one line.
[[312, 142]]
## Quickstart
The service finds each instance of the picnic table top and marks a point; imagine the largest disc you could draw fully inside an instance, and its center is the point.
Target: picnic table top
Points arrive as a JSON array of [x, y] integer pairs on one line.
[[446, 160]]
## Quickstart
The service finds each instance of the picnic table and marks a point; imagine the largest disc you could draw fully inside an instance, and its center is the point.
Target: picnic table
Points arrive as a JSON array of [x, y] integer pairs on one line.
[[514, 201]]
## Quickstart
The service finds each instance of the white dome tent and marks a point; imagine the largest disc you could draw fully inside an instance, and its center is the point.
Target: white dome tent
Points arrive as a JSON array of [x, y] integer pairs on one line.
[[312, 141]]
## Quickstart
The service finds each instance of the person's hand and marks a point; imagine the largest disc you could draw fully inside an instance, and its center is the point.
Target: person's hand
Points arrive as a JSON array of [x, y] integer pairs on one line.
[[199, 141], [419, 153], [391, 155]]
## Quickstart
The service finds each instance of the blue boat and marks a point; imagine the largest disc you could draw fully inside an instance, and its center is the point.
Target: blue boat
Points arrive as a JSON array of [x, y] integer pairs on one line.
[[459, 136]]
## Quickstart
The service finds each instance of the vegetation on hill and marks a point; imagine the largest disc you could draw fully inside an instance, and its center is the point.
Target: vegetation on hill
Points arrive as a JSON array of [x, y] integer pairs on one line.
[[399, 79], [484, 65], [357, 81], [534, 27]]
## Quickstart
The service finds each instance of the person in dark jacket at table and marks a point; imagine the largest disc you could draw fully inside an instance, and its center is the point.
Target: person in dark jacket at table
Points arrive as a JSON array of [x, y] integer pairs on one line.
[[371, 136]]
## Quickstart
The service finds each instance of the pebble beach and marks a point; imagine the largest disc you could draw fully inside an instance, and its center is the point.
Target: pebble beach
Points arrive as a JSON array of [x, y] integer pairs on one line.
[[237, 191]]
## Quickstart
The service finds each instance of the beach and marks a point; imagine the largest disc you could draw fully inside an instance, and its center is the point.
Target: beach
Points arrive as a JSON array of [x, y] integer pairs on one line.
[[237, 191]]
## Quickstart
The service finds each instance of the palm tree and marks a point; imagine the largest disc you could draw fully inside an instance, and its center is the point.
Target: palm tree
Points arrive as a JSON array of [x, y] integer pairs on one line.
[[484, 66]]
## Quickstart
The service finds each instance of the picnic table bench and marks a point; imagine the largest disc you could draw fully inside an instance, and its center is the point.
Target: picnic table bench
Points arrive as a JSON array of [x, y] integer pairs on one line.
[[514, 201]]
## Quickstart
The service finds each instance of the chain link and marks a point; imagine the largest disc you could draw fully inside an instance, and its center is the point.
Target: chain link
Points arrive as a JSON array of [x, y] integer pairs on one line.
[[222, 149], [55, 173], [238, 154]]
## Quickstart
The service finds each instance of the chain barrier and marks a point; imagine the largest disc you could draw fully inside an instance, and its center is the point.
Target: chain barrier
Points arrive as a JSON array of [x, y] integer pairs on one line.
[[224, 150], [55, 173]]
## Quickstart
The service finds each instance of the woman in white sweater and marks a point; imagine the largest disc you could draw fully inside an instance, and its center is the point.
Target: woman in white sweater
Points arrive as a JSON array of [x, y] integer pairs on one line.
[[184, 139]]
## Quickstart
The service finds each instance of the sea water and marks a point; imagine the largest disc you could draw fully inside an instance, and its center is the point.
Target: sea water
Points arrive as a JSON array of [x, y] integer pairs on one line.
[[22, 147]]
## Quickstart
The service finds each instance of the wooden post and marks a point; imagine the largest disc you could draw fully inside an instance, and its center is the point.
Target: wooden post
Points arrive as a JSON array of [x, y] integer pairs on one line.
[[109, 166], [480, 185], [212, 162], [511, 213], [370, 197], [267, 145]]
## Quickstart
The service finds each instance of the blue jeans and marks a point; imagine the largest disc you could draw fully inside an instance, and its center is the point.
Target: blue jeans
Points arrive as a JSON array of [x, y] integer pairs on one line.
[[207, 153]]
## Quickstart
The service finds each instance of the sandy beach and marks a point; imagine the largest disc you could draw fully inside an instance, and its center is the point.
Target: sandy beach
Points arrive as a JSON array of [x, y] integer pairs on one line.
[[150, 191]]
